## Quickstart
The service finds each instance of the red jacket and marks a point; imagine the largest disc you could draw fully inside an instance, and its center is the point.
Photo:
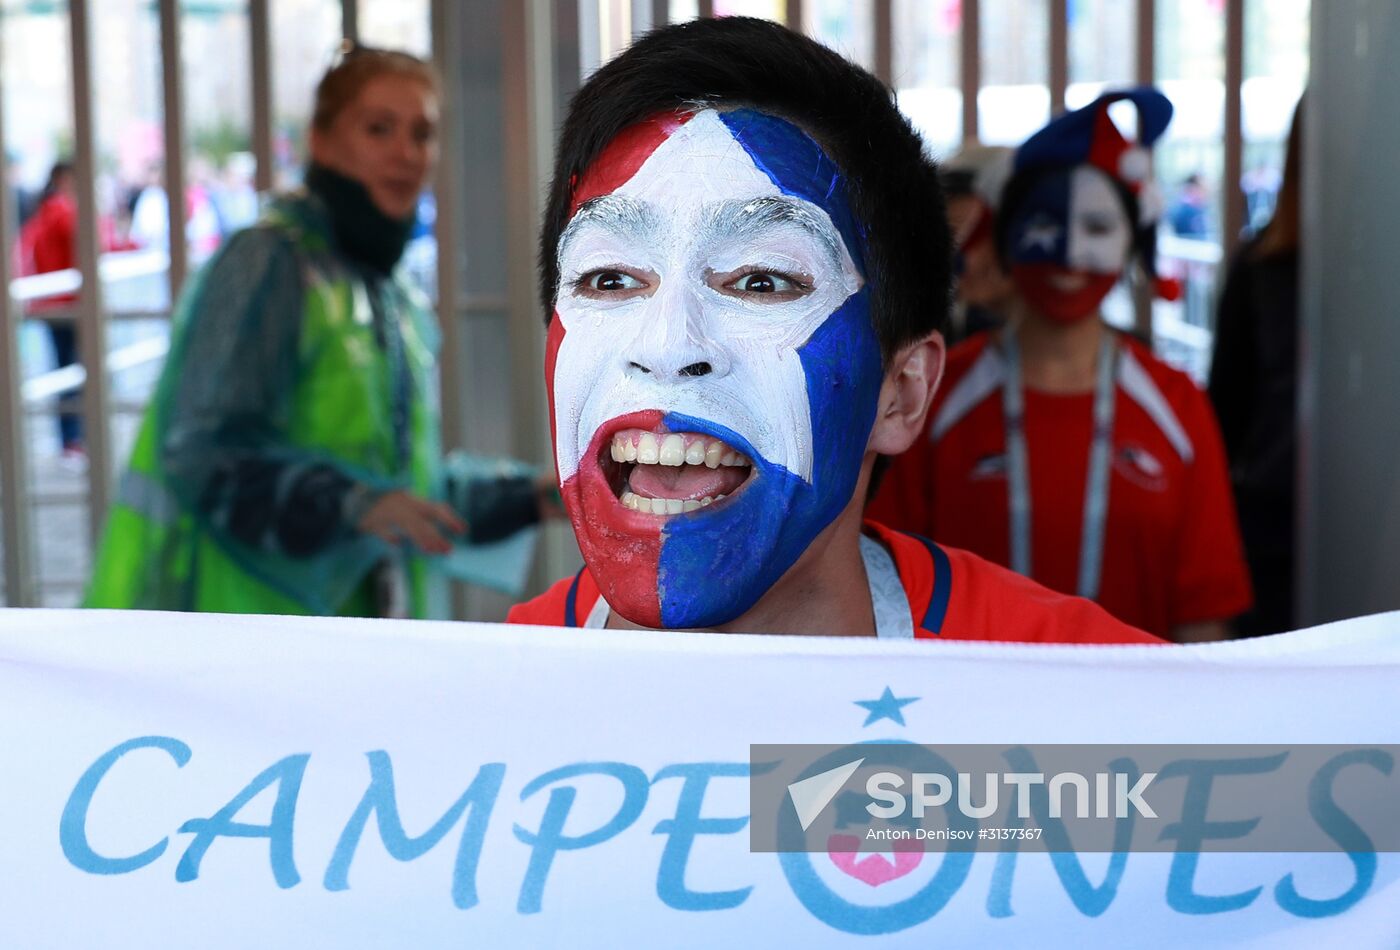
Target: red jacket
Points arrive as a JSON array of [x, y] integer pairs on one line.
[[953, 595]]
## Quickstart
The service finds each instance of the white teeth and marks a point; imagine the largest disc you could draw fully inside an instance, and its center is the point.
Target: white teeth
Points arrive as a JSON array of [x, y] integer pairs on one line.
[[665, 506], [672, 451]]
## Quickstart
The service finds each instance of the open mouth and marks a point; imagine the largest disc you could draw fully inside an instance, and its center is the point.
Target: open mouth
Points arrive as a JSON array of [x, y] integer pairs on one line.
[[671, 473]]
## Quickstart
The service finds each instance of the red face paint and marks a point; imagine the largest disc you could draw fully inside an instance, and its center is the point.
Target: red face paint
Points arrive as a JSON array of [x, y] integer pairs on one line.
[[1063, 294]]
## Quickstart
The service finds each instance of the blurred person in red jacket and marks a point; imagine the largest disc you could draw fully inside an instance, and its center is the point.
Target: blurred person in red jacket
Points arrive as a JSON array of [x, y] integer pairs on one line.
[[1059, 447], [48, 242]]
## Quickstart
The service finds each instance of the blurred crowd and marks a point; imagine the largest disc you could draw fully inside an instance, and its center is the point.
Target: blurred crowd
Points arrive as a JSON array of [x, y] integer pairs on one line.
[[1058, 444]]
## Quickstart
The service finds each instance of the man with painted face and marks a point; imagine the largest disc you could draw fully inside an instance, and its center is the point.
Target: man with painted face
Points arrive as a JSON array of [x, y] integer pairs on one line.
[[1059, 447], [745, 265]]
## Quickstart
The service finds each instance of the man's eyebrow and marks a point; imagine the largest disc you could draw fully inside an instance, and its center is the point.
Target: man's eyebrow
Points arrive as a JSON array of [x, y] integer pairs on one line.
[[739, 219], [628, 218]]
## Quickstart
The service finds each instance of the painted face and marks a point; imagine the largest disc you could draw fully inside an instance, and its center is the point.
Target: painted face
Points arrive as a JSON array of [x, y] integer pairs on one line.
[[1070, 241], [712, 367]]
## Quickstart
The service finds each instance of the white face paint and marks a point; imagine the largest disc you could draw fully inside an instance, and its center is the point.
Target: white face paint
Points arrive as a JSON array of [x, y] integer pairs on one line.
[[658, 277], [1100, 238]]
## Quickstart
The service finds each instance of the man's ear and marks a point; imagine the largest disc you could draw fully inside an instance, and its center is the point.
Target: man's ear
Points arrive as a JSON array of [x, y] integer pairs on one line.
[[910, 383]]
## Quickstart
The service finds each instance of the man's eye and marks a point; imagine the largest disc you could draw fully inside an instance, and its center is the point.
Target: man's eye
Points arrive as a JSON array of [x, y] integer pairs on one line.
[[763, 282], [611, 281]]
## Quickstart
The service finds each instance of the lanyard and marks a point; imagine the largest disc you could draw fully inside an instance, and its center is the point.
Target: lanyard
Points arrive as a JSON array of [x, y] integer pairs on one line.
[[1018, 479]]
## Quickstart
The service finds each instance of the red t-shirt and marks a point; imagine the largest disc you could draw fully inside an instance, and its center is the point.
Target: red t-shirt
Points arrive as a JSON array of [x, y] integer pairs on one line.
[[953, 595], [1172, 550]]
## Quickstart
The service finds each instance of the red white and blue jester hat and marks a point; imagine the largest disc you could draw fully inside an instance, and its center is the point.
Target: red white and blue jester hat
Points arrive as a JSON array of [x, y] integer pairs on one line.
[[1089, 136]]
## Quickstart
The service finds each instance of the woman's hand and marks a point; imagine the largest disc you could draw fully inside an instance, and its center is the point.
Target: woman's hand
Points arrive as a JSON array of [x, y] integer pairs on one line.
[[399, 516]]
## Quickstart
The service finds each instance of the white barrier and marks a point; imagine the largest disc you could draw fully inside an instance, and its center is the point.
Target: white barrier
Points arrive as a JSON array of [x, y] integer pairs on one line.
[[214, 781]]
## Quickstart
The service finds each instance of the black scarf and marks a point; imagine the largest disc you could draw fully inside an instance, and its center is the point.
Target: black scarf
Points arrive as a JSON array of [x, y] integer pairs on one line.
[[363, 232]]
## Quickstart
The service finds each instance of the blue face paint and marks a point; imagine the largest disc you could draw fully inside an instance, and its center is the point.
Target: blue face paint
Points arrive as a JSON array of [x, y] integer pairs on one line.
[[790, 381], [1038, 232], [717, 564], [799, 167], [720, 563]]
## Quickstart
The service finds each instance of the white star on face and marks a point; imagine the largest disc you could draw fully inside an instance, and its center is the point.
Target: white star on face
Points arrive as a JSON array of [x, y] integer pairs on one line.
[[1042, 233]]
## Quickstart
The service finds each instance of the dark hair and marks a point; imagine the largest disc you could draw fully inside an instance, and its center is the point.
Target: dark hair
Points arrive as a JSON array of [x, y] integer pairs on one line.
[[1019, 188], [59, 170], [739, 61], [1281, 235]]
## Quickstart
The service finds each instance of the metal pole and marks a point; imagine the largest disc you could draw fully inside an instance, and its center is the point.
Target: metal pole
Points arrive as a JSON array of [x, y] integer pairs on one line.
[[970, 69], [447, 188], [445, 22], [705, 8], [793, 16], [260, 69], [590, 38], [660, 14], [1146, 42], [642, 16], [527, 92], [174, 144], [92, 324], [528, 110], [350, 20], [884, 41], [1059, 54], [20, 590], [1233, 218], [1143, 294]]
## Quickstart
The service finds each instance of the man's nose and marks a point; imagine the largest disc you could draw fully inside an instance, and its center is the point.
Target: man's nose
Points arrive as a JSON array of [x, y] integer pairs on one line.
[[674, 344]]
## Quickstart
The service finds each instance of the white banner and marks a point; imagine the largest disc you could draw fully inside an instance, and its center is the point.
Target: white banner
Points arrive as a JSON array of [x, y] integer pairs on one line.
[[211, 781]]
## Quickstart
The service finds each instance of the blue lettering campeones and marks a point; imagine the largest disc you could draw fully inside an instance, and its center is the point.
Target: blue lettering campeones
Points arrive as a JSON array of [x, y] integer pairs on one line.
[[472, 813]]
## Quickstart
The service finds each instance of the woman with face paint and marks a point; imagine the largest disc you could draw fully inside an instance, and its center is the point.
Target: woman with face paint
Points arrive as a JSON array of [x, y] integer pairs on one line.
[[745, 268], [289, 460], [1060, 447]]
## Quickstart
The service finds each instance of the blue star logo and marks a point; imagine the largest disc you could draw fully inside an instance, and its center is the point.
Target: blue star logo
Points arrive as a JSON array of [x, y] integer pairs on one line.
[[888, 706]]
